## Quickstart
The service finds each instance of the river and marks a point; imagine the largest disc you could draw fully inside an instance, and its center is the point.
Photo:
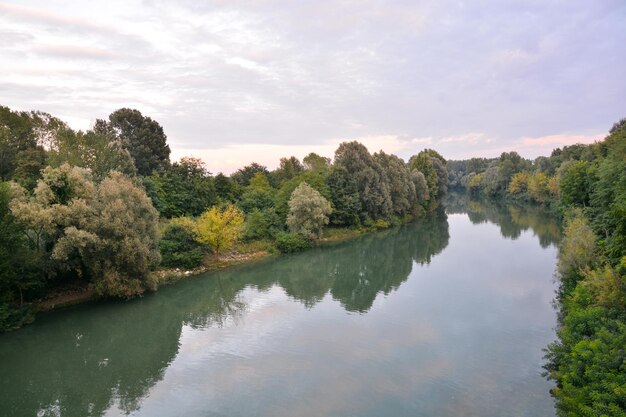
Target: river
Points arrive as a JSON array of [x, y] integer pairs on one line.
[[444, 317]]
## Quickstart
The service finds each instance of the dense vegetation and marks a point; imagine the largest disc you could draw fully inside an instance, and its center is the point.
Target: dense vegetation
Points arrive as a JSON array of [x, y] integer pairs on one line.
[[103, 209], [587, 185]]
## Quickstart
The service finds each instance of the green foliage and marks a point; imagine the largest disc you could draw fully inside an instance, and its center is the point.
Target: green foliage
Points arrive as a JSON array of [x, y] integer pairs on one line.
[[288, 169], [370, 179], [344, 195], [261, 225], [588, 360], [316, 179], [105, 233], [308, 212], [178, 245], [258, 194], [19, 267], [99, 152], [292, 242], [243, 175], [141, 136], [433, 168], [184, 189], [575, 180]]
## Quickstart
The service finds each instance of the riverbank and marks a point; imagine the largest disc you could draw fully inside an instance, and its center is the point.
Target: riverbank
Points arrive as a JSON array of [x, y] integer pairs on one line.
[[244, 253]]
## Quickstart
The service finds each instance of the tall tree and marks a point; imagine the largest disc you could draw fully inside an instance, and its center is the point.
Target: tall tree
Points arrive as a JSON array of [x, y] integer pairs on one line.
[[141, 136], [370, 179], [308, 212]]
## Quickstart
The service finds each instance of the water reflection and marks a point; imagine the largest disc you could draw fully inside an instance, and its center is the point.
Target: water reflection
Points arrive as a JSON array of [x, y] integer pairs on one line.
[[107, 358], [512, 218]]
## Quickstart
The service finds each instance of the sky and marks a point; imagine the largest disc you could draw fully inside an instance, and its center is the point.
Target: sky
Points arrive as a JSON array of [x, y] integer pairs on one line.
[[239, 81]]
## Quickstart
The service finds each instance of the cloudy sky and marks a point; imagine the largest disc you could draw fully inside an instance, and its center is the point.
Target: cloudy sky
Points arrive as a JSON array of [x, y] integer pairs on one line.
[[234, 82]]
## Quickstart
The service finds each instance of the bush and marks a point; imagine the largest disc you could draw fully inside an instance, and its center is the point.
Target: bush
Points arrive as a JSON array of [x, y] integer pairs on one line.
[[179, 248], [292, 242]]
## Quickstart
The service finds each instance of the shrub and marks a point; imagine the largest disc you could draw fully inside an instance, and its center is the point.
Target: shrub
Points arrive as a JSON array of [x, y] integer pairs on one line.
[[292, 242], [178, 245]]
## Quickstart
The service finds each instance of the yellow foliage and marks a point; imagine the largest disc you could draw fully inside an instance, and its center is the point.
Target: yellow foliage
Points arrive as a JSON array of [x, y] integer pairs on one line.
[[519, 183], [219, 229]]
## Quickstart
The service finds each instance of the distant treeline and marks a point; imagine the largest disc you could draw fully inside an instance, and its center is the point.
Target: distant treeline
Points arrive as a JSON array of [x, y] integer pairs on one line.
[[586, 184], [104, 208]]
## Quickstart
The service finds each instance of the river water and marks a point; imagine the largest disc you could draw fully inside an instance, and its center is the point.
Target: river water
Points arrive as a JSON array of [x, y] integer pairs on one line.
[[444, 317]]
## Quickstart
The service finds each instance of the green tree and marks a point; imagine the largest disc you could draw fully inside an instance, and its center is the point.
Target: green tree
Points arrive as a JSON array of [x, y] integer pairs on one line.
[[19, 266], [106, 234], [178, 245], [574, 182], [401, 186], [98, 152], [288, 169], [344, 196], [220, 229], [141, 136], [370, 179], [258, 194], [308, 212], [315, 162], [184, 189]]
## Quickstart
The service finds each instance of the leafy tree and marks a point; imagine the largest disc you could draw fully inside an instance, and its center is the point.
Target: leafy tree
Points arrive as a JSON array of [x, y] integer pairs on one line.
[[574, 182], [370, 179], [178, 244], [315, 162], [98, 152], [141, 136], [16, 135], [539, 187], [519, 183], [261, 224], [28, 166], [220, 229], [19, 266], [344, 196], [105, 233], [308, 212], [258, 194], [224, 188], [401, 186], [316, 179], [184, 189], [288, 169], [243, 175]]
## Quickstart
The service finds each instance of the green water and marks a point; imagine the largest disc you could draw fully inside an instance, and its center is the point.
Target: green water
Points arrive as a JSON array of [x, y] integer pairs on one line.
[[445, 317]]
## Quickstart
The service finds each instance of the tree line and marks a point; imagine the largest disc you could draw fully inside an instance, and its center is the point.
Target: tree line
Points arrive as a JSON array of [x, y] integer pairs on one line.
[[585, 184], [106, 207]]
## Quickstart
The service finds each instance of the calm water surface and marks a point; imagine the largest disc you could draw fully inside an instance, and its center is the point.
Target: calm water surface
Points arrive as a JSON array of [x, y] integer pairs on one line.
[[445, 317]]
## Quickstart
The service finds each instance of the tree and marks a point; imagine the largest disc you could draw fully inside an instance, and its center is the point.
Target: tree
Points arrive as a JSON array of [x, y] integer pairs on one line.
[[243, 175], [178, 244], [315, 162], [106, 234], [575, 182], [19, 266], [344, 196], [401, 186], [258, 194], [220, 229], [308, 212], [141, 136], [100, 153], [370, 179], [184, 189], [288, 169]]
